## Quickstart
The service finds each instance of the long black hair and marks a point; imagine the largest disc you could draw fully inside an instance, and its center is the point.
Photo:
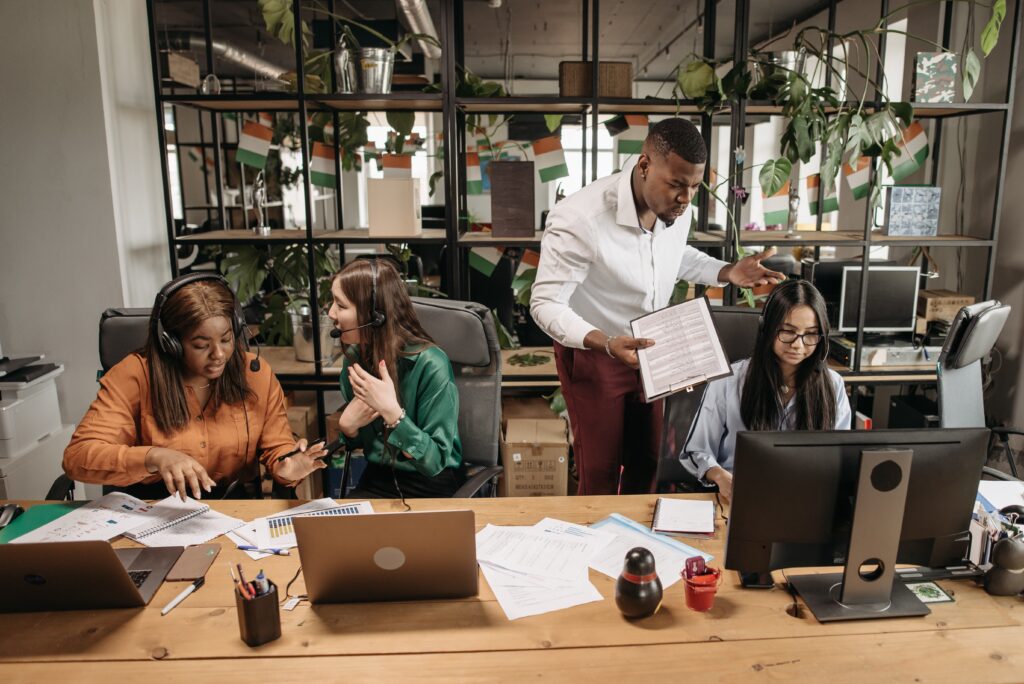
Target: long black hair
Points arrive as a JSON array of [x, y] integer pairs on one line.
[[815, 399]]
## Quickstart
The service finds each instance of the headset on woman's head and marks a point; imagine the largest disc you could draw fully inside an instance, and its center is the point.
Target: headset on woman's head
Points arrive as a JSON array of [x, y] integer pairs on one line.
[[168, 342], [377, 318]]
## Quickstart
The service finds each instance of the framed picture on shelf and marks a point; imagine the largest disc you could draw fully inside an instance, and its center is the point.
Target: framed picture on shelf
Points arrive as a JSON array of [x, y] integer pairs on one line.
[[912, 210]]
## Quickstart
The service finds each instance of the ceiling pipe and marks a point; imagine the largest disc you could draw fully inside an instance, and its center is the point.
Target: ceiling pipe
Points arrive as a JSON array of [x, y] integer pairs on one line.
[[188, 40], [418, 16]]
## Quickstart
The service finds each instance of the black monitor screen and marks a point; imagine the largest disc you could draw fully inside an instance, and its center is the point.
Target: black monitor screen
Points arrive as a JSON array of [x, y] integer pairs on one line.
[[892, 299], [793, 495]]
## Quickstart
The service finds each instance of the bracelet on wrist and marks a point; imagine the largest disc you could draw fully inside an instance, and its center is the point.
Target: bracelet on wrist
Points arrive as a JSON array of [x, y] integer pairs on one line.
[[392, 426], [608, 346]]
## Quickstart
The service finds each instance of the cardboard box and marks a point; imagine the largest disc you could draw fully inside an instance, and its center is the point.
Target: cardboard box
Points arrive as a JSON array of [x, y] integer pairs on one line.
[[614, 79], [176, 67], [940, 305], [526, 407], [303, 421], [535, 457], [393, 205]]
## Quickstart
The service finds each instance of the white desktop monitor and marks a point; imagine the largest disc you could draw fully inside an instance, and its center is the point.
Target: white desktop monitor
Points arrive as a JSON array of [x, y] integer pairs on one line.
[[891, 299]]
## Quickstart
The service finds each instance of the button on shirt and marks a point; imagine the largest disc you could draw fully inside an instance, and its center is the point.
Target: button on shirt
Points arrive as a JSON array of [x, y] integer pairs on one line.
[[599, 269], [712, 439]]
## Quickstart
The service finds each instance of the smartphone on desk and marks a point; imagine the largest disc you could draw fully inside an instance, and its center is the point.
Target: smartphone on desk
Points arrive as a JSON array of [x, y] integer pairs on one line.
[[193, 563]]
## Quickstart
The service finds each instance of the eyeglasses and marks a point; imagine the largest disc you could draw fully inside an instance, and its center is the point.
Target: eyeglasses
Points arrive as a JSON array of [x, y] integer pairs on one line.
[[811, 339]]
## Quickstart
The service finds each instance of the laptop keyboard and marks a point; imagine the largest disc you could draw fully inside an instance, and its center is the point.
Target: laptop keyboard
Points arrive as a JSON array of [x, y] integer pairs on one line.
[[139, 577]]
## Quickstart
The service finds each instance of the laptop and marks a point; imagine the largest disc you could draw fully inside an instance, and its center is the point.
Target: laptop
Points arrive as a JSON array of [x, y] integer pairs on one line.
[[80, 575], [388, 556]]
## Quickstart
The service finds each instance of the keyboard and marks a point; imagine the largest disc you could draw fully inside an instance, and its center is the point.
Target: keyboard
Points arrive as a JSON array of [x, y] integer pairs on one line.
[[139, 577]]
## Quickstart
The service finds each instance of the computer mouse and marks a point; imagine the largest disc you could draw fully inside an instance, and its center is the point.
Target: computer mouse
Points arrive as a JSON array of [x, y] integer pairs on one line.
[[9, 513], [1016, 509]]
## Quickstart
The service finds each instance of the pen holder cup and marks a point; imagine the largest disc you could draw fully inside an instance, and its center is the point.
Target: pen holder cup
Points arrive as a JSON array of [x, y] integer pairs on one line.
[[259, 619], [701, 590]]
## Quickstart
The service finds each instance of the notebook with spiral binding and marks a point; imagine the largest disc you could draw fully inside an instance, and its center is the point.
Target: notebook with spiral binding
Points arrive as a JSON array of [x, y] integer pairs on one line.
[[174, 522]]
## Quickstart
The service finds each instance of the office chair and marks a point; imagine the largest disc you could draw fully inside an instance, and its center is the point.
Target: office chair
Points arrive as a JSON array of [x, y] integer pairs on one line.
[[737, 328], [972, 335], [465, 332]]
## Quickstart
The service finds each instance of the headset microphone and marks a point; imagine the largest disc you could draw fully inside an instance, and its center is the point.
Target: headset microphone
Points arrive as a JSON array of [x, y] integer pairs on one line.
[[338, 333]]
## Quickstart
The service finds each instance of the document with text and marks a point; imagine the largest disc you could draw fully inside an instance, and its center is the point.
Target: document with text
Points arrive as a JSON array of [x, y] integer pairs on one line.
[[686, 351]]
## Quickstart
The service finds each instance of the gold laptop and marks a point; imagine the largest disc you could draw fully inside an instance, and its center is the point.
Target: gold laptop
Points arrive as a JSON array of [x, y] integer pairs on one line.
[[388, 556]]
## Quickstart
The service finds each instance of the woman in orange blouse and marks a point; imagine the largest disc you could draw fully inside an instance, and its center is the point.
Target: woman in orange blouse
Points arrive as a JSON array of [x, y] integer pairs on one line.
[[192, 410]]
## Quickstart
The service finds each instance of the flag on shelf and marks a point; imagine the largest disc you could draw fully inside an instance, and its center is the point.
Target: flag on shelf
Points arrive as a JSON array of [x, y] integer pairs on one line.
[[474, 181], [550, 158], [266, 118], [528, 263], [631, 140], [195, 154], [253, 144], [913, 150], [321, 166], [485, 259], [482, 147], [397, 165], [370, 152], [776, 207], [831, 202], [858, 176]]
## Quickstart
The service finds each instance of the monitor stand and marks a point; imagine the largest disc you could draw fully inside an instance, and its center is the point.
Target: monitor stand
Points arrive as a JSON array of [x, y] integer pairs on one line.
[[874, 543]]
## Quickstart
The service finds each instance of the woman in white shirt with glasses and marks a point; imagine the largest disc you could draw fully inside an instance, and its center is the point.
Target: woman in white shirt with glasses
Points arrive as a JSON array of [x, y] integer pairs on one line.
[[784, 385]]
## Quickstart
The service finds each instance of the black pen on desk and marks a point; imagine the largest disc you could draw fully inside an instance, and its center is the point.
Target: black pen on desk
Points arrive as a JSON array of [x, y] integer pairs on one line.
[[296, 451], [182, 596]]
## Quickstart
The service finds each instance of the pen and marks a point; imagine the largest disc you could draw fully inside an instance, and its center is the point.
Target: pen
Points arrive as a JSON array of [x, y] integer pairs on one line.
[[295, 451], [182, 596], [276, 552], [247, 592]]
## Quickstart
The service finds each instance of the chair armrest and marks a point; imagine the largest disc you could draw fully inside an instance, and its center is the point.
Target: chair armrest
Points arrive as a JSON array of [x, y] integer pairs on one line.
[[476, 481], [1004, 431]]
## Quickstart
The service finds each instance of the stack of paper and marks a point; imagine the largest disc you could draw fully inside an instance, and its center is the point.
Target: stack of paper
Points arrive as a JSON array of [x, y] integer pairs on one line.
[[277, 532], [669, 555], [102, 520], [534, 570], [686, 517]]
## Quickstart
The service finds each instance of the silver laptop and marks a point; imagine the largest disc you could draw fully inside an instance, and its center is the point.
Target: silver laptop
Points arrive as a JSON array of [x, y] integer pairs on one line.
[[388, 556], [80, 575]]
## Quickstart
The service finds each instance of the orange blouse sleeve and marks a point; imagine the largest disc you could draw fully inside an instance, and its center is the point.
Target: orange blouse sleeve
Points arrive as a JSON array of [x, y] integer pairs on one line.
[[103, 449]]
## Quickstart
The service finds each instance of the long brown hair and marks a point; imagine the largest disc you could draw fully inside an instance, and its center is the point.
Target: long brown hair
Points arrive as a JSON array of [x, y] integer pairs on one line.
[[401, 329], [760, 406], [183, 311]]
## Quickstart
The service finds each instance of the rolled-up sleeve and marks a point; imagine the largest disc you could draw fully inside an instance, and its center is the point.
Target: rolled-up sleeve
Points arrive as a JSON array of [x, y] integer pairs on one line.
[[103, 448], [565, 257]]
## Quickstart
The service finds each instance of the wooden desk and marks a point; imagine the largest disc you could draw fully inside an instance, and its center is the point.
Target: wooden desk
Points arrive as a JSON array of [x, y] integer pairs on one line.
[[747, 635]]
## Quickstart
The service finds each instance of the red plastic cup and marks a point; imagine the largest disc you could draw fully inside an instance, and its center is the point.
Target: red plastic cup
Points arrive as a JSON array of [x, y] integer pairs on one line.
[[701, 590]]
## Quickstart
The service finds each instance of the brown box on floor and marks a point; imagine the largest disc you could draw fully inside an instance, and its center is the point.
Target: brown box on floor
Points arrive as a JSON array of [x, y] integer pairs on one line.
[[526, 407], [941, 305], [534, 457]]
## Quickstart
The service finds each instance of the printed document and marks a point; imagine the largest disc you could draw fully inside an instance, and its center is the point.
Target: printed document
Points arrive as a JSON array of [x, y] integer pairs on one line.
[[686, 351]]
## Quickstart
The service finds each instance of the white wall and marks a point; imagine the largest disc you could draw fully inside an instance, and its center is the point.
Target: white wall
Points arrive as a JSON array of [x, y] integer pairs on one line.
[[81, 209]]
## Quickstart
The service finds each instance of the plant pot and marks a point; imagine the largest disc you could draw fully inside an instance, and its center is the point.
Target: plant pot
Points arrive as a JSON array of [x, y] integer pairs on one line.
[[376, 66], [513, 211], [302, 336]]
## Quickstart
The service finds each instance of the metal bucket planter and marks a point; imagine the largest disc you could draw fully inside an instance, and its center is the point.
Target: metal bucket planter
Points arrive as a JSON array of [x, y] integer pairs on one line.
[[376, 66], [302, 336]]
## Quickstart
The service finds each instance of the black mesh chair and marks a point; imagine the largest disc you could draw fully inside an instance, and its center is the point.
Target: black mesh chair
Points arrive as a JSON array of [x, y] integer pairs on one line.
[[737, 328]]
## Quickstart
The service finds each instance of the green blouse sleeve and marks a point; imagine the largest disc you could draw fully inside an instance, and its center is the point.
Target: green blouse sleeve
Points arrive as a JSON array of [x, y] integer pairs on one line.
[[429, 432]]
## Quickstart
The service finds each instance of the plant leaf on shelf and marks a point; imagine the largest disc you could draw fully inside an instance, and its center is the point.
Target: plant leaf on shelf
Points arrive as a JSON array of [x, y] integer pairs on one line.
[[972, 72], [774, 175]]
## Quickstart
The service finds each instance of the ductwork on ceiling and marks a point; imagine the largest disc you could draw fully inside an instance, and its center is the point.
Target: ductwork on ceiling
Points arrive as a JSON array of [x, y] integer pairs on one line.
[[188, 40], [418, 16]]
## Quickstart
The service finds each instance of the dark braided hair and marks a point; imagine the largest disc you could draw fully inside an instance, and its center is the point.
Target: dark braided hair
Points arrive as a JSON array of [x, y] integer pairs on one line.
[[679, 136]]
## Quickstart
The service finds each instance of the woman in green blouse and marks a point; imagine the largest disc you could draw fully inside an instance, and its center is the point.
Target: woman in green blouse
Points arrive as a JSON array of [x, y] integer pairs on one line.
[[403, 406]]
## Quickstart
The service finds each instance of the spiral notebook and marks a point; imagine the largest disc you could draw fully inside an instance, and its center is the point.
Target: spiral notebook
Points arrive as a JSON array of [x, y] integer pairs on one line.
[[174, 522]]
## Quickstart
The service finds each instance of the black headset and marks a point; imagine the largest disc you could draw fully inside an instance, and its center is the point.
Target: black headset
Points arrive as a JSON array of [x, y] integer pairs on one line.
[[377, 318], [168, 342]]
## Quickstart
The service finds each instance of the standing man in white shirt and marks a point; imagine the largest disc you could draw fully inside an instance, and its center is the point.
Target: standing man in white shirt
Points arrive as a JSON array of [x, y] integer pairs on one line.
[[612, 252]]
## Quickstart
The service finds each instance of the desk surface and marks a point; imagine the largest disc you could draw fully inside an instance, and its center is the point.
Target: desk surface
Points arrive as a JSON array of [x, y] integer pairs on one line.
[[747, 634]]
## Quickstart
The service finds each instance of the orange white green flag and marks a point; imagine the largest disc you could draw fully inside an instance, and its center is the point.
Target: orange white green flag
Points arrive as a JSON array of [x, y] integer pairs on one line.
[[253, 144]]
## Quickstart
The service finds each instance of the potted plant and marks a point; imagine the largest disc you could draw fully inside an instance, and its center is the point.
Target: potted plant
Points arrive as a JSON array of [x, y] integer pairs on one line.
[[276, 279]]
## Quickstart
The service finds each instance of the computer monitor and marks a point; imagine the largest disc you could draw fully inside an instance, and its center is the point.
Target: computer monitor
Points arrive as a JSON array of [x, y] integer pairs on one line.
[[813, 499], [827, 276], [892, 299]]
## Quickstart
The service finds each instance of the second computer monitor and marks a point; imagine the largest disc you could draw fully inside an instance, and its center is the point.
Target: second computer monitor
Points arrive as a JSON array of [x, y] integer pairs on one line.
[[891, 299]]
